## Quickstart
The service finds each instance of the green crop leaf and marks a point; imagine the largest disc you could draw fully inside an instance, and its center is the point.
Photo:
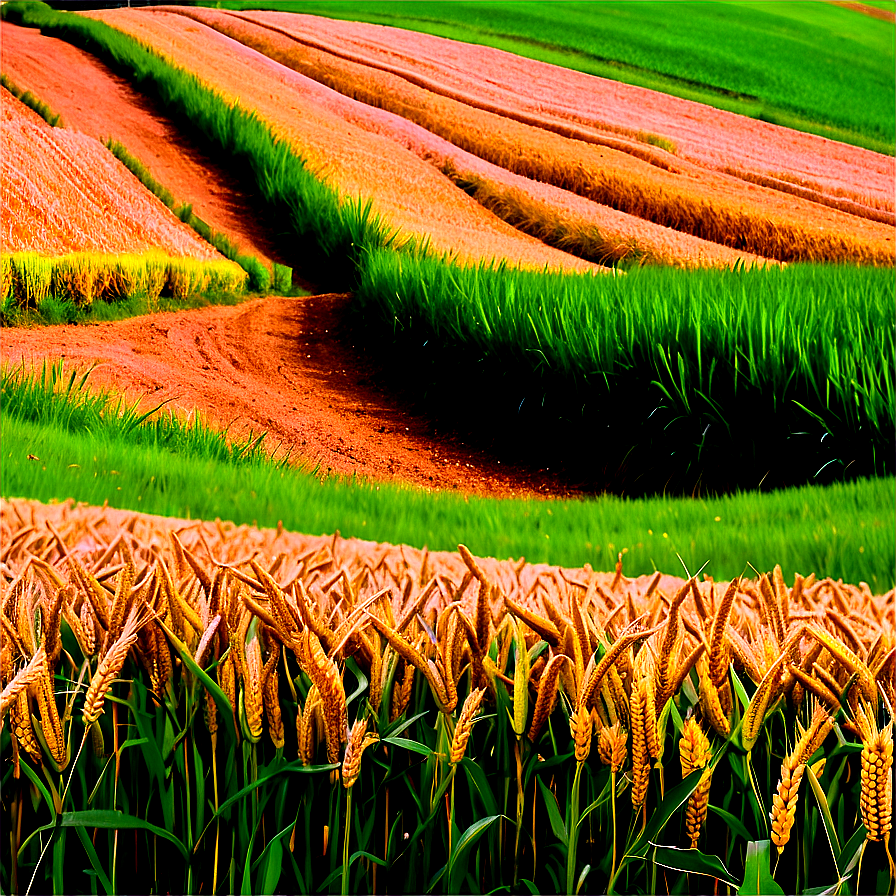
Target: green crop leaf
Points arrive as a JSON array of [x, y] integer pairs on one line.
[[457, 863], [734, 823], [407, 744], [220, 698], [758, 880], [673, 801], [117, 820], [556, 819], [692, 861], [826, 818]]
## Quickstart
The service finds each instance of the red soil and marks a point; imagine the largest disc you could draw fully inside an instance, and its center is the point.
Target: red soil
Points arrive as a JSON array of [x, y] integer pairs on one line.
[[94, 101], [886, 15], [274, 365]]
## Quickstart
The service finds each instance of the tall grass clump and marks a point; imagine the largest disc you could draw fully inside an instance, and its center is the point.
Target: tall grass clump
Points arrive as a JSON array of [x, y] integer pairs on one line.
[[654, 380], [31, 278], [60, 398], [83, 279], [52, 118]]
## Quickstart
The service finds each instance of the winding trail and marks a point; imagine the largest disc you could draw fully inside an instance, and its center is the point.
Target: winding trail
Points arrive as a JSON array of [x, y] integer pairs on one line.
[[285, 366], [275, 365]]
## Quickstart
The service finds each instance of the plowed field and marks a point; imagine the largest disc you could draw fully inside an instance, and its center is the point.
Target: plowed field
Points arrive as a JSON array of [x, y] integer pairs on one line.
[[96, 102]]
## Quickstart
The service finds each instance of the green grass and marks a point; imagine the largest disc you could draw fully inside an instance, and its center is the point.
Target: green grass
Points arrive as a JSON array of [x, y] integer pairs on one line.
[[54, 310], [98, 450], [811, 66], [657, 380], [52, 118]]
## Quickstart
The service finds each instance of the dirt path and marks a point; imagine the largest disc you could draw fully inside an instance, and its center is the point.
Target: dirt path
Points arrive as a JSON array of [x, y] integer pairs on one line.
[[886, 15], [284, 366], [93, 100]]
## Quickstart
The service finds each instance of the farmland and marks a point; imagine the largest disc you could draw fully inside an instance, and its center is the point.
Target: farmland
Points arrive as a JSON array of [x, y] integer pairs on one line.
[[78, 227], [742, 57], [681, 676]]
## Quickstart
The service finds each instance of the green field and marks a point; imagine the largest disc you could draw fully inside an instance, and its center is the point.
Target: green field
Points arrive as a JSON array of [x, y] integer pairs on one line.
[[656, 380], [112, 778], [95, 449], [815, 67]]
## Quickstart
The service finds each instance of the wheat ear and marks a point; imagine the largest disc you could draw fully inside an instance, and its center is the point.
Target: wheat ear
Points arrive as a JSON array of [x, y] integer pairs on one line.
[[464, 725], [580, 727], [611, 747], [26, 677], [110, 666], [695, 754], [876, 802], [357, 743]]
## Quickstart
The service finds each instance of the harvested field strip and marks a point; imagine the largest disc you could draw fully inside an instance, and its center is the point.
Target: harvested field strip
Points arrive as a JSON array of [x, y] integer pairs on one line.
[[709, 205], [332, 672], [82, 278], [100, 449], [780, 64], [590, 108], [726, 371], [553, 215], [63, 192]]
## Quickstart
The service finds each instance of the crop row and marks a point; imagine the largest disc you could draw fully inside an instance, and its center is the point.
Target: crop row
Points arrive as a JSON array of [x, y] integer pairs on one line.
[[751, 61], [27, 279], [654, 378], [622, 175], [447, 725]]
